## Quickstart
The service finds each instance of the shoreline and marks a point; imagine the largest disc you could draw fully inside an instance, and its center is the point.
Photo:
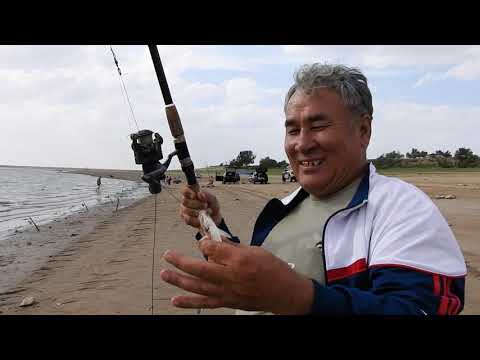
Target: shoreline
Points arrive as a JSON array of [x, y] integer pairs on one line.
[[131, 175], [27, 250]]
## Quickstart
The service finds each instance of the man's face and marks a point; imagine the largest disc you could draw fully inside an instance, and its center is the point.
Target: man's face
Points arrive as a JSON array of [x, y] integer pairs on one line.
[[324, 141]]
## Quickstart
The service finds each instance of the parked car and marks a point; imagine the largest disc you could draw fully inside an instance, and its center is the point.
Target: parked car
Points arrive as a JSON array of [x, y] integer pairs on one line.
[[231, 176], [288, 175], [259, 176]]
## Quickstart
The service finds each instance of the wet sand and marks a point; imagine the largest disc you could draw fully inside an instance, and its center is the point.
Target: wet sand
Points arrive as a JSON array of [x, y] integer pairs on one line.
[[106, 268]]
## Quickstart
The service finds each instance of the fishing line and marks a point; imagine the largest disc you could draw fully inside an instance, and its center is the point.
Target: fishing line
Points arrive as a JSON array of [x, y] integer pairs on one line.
[[127, 98], [153, 250], [170, 193], [178, 200], [125, 92], [181, 147]]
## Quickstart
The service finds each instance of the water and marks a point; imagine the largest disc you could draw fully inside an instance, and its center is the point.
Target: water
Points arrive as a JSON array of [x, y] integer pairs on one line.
[[46, 195]]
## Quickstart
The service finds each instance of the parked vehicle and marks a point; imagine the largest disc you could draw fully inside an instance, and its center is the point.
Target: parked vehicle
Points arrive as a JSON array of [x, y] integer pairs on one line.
[[231, 176], [259, 176], [288, 175]]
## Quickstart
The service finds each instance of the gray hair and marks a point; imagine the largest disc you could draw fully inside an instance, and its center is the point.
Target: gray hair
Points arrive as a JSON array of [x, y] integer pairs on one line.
[[349, 83]]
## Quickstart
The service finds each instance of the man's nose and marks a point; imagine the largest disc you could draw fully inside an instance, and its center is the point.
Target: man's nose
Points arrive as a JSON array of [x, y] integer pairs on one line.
[[305, 141]]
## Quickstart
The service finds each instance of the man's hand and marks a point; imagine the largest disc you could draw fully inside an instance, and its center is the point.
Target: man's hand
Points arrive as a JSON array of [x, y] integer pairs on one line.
[[193, 202], [239, 277]]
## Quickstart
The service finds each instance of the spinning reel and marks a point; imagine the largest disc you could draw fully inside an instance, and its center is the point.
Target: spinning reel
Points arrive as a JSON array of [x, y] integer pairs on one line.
[[148, 153]]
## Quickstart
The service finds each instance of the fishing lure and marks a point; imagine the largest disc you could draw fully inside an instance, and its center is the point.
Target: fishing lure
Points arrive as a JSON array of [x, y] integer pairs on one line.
[[208, 227]]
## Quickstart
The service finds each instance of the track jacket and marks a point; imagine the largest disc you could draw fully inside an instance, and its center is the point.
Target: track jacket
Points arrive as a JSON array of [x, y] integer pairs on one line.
[[390, 251]]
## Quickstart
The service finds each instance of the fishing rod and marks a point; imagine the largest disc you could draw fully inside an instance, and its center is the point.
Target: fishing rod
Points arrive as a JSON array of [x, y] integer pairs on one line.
[[146, 144], [207, 225], [174, 122], [147, 149]]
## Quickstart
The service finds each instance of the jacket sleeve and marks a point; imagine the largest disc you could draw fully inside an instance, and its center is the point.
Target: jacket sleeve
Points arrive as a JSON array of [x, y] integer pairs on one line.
[[415, 265], [393, 291]]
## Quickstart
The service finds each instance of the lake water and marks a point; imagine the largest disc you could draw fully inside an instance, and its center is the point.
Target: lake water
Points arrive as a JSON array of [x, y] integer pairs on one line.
[[48, 194]]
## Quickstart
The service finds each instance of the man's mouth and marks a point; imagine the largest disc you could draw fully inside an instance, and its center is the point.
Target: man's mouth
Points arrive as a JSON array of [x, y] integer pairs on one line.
[[311, 163]]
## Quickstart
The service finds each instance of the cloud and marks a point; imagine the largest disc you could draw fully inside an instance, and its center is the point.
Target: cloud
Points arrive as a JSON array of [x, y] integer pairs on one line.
[[466, 67], [63, 105], [403, 125], [468, 70], [428, 77], [381, 56]]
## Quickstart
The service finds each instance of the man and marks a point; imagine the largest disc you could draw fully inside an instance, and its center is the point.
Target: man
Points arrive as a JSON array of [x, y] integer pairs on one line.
[[348, 241]]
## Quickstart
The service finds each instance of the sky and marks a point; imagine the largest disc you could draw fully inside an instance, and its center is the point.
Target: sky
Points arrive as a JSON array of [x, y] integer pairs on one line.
[[63, 106]]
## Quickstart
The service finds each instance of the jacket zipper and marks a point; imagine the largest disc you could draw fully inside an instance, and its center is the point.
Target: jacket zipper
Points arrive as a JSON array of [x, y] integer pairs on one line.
[[323, 235]]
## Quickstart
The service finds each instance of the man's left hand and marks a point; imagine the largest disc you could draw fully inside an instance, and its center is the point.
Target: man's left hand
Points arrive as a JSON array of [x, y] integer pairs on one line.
[[240, 277]]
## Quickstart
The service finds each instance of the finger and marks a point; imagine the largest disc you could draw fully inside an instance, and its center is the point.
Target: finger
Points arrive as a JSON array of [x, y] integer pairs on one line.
[[203, 196], [192, 221], [194, 204], [210, 199], [228, 241], [191, 284], [188, 193], [190, 212], [199, 268], [220, 252], [197, 302]]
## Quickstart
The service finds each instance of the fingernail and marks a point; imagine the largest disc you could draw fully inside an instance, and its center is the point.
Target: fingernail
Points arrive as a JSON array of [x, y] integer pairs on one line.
[[165, 254], [164, 275], [173, 301]]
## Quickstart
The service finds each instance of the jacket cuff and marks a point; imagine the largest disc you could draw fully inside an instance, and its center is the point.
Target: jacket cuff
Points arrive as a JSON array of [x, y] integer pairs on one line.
[[328, 301]]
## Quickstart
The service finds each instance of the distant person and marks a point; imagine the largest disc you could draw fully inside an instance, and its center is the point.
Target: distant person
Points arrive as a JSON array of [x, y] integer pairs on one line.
[[347, 241], [99, 182], [210, 182]]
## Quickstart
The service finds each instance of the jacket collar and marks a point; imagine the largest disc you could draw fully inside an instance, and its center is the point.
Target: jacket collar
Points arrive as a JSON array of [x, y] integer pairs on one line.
[[360, 196], [276, 210]]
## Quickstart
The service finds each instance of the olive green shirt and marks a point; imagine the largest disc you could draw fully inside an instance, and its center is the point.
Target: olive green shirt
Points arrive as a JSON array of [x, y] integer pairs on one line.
[[297, 238]]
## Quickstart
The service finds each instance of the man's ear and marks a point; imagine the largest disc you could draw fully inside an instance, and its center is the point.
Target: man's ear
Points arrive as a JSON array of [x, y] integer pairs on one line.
[[365, 129]]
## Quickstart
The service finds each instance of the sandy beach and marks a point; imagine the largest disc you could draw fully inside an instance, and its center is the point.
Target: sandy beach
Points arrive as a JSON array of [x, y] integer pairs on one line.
[[106, 267]]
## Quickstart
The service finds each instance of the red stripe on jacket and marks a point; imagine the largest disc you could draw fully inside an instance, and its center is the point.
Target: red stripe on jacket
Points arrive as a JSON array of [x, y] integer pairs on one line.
[[340, 273], [444, 300]]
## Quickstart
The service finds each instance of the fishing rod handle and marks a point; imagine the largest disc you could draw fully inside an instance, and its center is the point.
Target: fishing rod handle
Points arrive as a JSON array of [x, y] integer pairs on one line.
[[174, 121], [181, 145]]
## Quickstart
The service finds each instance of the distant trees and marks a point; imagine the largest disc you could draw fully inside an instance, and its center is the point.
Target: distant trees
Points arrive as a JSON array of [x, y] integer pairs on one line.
[[388, 160], [414, 154], [445, 154], [272, 163], [244, 158], [268, 163], [464, 157]]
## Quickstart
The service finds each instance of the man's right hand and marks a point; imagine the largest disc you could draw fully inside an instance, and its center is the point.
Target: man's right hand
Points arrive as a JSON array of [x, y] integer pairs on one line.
[[193, 202]]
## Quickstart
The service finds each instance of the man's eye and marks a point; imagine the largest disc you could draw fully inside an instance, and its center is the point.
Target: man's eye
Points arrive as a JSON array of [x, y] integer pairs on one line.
[[293, 131], [319, 126]]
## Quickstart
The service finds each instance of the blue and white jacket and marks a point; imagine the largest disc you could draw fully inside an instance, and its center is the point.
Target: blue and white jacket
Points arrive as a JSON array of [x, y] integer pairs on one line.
[[390, 251]]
